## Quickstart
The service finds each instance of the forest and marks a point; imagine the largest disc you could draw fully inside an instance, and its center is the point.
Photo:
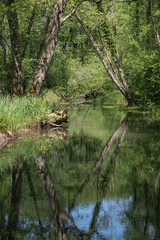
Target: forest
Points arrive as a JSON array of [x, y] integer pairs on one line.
[[97, 48], [79, 119]]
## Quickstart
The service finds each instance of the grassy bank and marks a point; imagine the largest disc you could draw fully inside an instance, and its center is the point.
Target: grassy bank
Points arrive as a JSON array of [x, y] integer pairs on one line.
[[21, 112]]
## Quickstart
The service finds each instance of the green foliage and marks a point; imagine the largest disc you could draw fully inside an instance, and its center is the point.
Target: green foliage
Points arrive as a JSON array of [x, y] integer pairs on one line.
[[21, 112], [29, 66], [138, 49], [88, 79], [75, 69], [59, 71], [73, 77], [112, 97]]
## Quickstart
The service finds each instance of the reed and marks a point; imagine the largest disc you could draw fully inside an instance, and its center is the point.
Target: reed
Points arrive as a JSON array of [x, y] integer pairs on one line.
[[21, 112]]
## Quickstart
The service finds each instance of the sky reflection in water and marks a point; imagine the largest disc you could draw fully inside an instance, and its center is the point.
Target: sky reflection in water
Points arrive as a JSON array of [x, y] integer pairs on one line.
[[101, 180]]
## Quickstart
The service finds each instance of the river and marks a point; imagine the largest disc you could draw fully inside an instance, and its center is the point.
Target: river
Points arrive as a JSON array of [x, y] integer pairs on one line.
[[97, 178]]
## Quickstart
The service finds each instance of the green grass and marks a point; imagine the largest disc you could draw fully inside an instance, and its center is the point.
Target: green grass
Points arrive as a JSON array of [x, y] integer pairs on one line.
[[21, 112]]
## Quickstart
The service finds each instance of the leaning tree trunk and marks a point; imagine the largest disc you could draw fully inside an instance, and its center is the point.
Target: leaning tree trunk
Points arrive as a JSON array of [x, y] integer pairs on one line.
[[111, 44], [121, 71], [17, 87], [57, 21], [57, 215], [114, 78], [41, 42], [49, 50]]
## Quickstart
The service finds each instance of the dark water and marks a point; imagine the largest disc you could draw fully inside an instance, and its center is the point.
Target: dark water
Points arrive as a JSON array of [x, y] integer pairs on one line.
[[98, 178]]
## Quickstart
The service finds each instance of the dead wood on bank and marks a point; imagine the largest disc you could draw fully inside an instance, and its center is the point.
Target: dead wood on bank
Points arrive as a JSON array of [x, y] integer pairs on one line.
[[77, 103], [69, 99], [55, 119], [6, 138]]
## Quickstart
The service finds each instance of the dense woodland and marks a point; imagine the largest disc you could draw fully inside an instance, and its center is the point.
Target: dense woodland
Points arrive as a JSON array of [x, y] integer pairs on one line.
[[79, 47]]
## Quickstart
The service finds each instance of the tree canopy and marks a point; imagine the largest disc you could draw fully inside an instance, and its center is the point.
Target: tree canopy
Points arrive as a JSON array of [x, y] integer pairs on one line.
[[83, 47]]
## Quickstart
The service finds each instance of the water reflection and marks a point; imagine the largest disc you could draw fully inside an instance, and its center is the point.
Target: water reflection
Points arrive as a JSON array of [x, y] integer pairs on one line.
[[101, 181]]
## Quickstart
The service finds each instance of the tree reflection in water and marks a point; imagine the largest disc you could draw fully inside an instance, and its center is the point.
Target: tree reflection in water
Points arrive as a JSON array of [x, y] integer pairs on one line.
[[59, 217], [13, 216], [99, 184]]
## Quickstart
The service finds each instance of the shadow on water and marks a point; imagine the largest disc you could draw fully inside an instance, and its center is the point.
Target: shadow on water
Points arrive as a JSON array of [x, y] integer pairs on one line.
[[89, 195]]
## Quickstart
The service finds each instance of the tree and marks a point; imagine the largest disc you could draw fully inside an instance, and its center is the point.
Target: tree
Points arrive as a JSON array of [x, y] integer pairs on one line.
[[111, 71], [57, 20], [17, 87], [2, 42], [154, 25]]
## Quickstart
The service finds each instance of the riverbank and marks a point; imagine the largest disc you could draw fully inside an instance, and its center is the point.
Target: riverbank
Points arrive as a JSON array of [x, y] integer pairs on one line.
[[23, 115]]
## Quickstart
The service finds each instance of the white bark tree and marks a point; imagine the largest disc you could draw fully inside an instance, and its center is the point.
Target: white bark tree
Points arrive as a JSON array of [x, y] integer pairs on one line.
[[109, 67], [155, 25]]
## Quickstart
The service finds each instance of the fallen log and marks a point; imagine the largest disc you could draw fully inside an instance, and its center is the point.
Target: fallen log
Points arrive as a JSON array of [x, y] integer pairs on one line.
[[5, 139], [55, 119], [77, 103]]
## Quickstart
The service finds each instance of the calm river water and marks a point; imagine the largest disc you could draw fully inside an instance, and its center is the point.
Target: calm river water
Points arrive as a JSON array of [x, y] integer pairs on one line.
[[98, 178]]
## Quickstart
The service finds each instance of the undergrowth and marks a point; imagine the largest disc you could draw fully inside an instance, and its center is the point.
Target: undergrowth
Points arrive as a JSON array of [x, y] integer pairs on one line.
[[21, 112]]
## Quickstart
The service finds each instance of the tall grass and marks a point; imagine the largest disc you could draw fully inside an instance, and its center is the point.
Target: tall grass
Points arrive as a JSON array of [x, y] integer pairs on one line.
[[19, 112]]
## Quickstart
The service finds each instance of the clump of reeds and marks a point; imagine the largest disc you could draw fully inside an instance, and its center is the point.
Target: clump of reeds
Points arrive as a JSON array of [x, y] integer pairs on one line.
[[21, 112]]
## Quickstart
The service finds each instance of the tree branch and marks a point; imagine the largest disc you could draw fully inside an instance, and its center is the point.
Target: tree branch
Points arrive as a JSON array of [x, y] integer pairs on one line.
[[116, 81], [73, 11]]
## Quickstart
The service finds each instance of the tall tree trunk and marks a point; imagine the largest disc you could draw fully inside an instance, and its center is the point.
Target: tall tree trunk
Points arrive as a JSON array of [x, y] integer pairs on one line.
[[155, 25], [116, 81], [49, 50], [121, 71], [57, 21], [41, 43], [111, 43], [17, 87], [2, 42], [107, 55]]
